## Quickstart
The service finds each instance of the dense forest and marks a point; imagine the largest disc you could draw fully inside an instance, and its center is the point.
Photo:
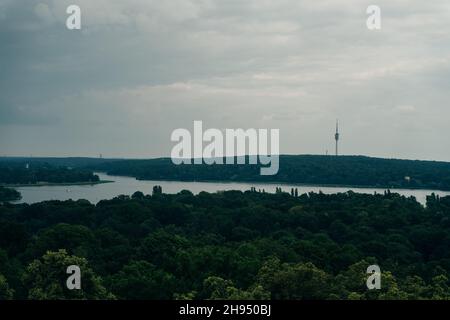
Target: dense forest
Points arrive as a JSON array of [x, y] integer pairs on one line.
[[18, 172], [305, 169], [74, 162], [7, 194], [227, 245]]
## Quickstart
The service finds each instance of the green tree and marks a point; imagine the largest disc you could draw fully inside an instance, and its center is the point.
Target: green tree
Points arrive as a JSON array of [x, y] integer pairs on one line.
[[5, 292], [389, 289], [138, 195], [76, 239], [351, 283], [46, 279], [141, 280], [440, 288], [216, 288], [294, 281], [160, 248]]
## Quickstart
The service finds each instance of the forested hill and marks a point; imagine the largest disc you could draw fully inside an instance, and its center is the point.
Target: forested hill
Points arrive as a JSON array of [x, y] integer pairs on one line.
[[302, 169], [16, 172], [74, 162]]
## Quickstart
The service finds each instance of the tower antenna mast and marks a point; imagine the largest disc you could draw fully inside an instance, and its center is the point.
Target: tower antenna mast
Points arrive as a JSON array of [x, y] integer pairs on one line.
[[336, 137]]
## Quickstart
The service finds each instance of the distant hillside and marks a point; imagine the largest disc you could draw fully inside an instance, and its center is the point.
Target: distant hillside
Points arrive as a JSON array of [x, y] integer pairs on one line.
[[17, 172], [301, 169], [66, 162]]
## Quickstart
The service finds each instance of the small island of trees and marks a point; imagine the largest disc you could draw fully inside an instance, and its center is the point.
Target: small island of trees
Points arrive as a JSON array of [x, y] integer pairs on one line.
[[8, 194]]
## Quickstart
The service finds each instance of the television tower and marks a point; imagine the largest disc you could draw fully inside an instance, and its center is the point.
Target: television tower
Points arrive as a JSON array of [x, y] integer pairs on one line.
[[336, 137]]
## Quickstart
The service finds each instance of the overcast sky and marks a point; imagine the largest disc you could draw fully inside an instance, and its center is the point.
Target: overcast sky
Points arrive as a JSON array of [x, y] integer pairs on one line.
[[139, 69]]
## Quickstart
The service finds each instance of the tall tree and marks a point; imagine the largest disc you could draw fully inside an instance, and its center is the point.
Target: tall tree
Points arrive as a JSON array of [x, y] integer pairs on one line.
[[46, 279]]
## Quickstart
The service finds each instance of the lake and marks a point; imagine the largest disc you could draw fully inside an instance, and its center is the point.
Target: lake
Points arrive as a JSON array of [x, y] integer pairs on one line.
[[127, 186]]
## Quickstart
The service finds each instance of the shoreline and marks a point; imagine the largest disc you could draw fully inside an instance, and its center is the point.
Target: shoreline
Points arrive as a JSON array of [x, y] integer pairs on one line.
[[46, 184], [295, 184]]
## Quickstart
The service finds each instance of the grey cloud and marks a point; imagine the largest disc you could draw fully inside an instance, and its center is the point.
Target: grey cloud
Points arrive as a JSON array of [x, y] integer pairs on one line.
[[139, 69]]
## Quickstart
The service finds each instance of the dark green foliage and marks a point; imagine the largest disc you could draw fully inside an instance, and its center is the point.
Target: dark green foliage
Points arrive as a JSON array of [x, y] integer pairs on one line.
[[74, 162], [7, 194], [5, 292], [46, 278], [42, 172], [303, 169], [228, 245], [141, 280], [157, 190]]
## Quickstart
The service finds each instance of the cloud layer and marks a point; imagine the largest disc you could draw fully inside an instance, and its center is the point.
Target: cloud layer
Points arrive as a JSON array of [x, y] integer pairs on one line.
[[139, 69]]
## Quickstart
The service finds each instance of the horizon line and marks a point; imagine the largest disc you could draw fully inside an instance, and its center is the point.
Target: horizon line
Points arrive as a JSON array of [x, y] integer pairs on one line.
[[224, 157]]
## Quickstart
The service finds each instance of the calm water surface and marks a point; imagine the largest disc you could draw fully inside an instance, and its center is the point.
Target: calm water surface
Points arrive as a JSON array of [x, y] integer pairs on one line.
[[127, 186]]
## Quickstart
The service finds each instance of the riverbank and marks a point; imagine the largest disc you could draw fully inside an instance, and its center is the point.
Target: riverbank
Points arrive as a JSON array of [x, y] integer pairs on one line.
[[127, 186], [46, 184], [293, 184], [312, 170], [277, 183]]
